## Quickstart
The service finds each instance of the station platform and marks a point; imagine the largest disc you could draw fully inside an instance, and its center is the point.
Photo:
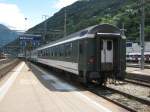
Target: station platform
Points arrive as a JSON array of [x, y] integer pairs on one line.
[[35, 90], [138, 74], [138, 71]]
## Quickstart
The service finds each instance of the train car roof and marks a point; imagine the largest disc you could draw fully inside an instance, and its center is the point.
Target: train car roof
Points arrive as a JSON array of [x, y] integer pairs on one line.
[[90, 32]]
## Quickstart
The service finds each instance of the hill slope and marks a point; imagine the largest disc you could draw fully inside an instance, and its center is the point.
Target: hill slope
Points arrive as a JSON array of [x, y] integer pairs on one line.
[[85, 13], [6, 35]]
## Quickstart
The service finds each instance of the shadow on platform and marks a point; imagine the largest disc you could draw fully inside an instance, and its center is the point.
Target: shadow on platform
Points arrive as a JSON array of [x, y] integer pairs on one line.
[[53, 82]]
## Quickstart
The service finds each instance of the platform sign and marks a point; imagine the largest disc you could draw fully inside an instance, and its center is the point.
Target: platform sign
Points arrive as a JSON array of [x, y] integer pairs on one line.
[[33, 40]]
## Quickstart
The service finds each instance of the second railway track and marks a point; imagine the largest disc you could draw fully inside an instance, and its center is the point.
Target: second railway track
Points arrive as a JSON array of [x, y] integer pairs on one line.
[[7, 66], [127, 101]]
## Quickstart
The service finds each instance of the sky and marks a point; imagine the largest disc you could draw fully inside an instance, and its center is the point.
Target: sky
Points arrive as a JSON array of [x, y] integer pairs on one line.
[[24, 14]]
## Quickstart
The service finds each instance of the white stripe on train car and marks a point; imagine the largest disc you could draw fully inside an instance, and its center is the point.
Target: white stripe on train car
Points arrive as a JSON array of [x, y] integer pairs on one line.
[[67, 66], [118, 34]]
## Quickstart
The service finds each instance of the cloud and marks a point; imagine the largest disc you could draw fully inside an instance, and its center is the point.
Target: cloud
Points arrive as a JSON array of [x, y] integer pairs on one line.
[[11, 15], [62, 3]]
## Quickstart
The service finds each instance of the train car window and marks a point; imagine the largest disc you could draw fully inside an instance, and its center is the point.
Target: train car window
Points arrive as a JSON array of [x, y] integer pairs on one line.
[[68, 49], [46, 52], [83, 33], [49, 51], [62, 50], [55, 51], [42, 53], [80, 48], [59, 53], [109, 45], [38, 53], [101, 44], [52, 52], [59, 50], [129, 44]]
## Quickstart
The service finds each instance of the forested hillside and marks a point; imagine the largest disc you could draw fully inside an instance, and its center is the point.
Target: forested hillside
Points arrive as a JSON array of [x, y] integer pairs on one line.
[[6, 35], [85, 13]]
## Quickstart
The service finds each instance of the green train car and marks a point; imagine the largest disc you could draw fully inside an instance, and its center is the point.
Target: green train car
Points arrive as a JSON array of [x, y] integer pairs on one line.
[[92, 54]]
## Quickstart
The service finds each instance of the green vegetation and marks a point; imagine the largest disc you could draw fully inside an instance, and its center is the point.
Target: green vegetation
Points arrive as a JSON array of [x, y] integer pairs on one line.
[[86, 13]]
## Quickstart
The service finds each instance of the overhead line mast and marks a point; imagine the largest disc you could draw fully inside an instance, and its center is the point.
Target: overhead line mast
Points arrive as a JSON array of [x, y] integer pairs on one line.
[[45, 27], [142, 34], [65, 23]]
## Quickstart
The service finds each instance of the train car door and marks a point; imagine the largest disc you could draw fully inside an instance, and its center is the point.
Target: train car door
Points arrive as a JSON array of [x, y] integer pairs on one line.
[[107, 54]]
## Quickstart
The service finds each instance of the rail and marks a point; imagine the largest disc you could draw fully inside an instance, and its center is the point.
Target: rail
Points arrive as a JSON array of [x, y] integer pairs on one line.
[[5, 68]]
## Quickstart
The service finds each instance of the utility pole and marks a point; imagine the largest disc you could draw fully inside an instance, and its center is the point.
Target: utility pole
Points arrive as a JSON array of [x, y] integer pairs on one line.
[[45, 27], [65, 23], [142, 34], [25, 27], [123, 29]]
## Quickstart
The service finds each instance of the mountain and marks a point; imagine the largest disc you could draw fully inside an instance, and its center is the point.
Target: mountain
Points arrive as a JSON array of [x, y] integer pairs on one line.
[[84, 13], [6, 35]]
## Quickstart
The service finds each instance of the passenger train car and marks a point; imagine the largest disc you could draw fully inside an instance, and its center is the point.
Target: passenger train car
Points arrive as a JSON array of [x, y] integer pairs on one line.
[[136, 57], [92, 54]]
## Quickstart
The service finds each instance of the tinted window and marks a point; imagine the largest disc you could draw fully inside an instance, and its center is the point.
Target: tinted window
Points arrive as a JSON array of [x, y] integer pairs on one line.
[[80, 48], [62, 50], [83, 33], [109, 45], [129, 44], [101, 44], [68, 48]]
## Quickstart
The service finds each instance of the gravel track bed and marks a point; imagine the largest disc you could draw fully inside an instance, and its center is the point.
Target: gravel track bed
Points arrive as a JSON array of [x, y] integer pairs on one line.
[[135, 90], [131, 103]]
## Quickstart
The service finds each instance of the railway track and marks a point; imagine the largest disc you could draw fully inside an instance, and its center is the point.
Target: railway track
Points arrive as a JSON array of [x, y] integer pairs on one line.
[[6, 67], [104, 93], [137, 82], [129, 101], [138, 95], [124, 100], [138, 77], [142, 100]]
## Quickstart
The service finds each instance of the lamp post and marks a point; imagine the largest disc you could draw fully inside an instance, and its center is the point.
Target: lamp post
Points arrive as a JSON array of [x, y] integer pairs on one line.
[[25, 27], [45, 27], [142, 34], [65, 23]]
